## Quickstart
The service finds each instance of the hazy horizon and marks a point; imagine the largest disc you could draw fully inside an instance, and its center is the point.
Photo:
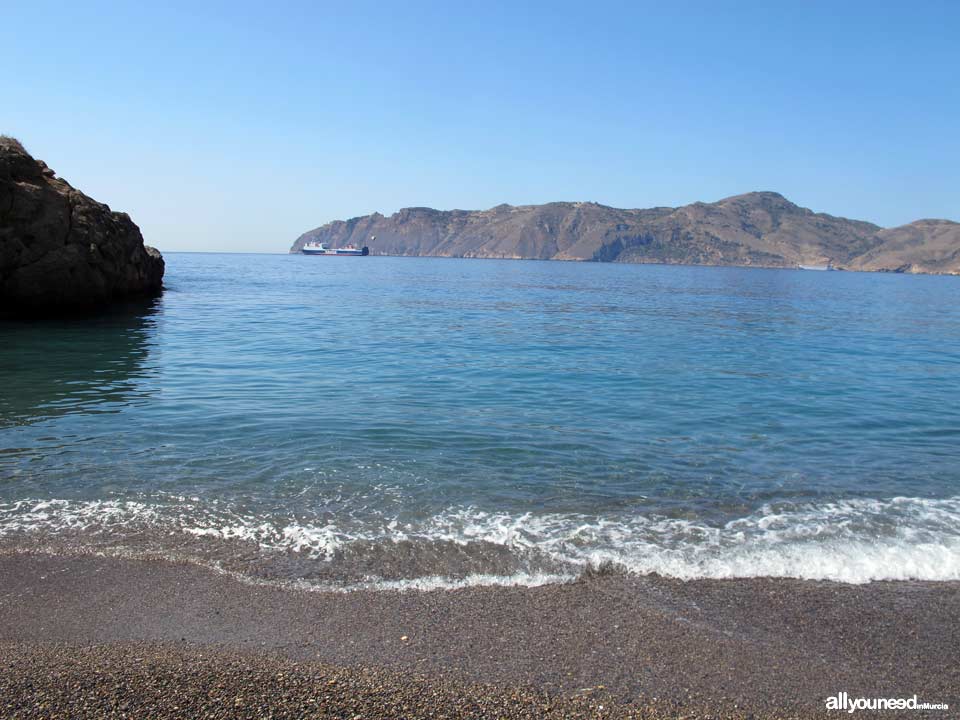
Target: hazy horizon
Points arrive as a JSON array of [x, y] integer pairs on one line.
[[233, 128]]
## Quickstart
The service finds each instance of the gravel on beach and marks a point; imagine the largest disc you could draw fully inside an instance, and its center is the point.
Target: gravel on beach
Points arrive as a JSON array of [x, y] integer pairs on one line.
[[141, 680], [91, 636]]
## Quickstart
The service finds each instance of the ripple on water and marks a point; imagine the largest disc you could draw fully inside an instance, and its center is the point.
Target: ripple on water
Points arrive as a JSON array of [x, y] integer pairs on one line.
[[394, 420]]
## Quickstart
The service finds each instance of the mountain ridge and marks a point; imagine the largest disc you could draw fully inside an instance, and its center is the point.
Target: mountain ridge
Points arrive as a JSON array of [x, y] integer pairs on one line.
[[755, 229]]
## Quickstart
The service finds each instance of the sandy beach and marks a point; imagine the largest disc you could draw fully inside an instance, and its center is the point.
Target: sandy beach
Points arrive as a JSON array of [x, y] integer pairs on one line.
[[95, 636]]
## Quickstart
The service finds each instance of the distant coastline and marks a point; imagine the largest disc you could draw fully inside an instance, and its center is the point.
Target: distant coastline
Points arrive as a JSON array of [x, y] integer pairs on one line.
[[759, 229]]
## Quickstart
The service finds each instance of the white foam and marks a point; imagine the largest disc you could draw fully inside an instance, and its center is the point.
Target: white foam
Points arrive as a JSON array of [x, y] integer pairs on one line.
[[853, 541], [437, 582]]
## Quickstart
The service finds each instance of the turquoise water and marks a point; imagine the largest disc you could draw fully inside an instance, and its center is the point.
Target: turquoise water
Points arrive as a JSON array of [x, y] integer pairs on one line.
[[433, 422]]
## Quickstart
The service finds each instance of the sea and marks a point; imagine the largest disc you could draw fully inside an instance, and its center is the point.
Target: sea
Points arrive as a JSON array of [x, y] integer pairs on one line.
[[417, 423]]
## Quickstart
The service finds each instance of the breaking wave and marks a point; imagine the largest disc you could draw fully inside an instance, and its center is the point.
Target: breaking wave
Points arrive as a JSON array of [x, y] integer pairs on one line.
[[852, 541]]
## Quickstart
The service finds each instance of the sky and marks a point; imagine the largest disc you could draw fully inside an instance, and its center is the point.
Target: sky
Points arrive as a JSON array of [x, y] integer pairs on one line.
[[236, 126]]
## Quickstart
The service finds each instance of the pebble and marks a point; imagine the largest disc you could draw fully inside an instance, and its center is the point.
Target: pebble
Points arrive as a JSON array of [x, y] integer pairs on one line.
[[140, 680]]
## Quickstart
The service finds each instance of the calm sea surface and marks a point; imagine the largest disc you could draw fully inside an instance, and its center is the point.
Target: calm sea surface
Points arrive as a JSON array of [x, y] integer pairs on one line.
[[390, 422]]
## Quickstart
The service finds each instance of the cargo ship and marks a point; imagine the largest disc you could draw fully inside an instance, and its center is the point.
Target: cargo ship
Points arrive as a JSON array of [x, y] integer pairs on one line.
[[346, 251]]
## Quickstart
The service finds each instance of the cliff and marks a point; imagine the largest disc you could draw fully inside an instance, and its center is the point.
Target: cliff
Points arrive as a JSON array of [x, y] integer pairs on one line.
[[924, 246], [61, 251], [761, 229]]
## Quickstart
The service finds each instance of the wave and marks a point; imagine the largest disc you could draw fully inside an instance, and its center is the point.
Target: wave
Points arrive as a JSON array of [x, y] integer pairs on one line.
[[851, 541]]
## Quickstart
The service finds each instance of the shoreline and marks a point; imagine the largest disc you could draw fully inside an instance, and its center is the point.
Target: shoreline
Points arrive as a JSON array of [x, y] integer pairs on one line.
[[766, 647], [588, 261]]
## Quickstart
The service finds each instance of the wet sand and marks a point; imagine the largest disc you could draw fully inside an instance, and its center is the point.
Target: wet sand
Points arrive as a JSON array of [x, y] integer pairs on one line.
[[90, 636]]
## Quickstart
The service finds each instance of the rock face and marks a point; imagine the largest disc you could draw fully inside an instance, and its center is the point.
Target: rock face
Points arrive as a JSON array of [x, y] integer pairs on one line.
[[761, 229], [61, 251], [924, 246]]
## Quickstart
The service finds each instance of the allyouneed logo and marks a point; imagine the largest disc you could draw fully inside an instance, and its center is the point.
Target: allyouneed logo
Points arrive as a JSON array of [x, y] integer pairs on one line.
[[843, 701]]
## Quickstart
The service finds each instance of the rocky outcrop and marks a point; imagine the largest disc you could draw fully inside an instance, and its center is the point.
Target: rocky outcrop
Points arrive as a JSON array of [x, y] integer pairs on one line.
[[760, 229], [924, 246], [61, 251]]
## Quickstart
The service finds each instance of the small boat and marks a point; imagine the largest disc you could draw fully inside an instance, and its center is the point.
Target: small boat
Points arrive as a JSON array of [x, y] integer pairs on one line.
[[828, 266], [314, 248]]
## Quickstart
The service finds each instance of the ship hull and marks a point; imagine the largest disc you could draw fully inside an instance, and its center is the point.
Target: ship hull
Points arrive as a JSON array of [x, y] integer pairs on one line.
[[336, 253]]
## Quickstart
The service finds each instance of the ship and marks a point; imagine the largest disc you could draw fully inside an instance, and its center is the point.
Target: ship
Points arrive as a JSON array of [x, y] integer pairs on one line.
[[346, 251], [315, 248], [829, 266]]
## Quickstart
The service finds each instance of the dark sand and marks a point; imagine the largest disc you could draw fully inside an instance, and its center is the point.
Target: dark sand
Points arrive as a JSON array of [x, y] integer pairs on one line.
[[90, 636]]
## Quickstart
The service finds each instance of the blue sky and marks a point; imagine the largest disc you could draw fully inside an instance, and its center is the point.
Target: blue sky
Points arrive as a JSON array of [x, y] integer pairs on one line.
[[236, 126]]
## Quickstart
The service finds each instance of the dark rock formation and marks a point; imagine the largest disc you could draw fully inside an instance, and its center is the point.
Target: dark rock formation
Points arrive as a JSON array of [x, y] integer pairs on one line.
[[61, 251], [761, 229]]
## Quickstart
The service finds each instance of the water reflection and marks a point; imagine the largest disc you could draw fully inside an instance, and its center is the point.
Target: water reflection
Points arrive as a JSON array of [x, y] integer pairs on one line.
[[57, 367]]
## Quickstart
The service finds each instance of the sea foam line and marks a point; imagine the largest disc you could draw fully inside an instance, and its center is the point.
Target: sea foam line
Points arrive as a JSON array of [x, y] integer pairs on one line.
[[853, 541]]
